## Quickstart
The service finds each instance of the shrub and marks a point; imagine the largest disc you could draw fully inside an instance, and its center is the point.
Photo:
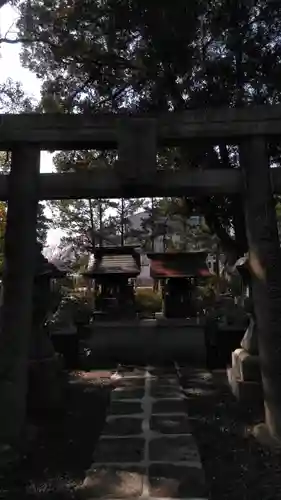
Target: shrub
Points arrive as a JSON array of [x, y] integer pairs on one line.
[[148, 301]]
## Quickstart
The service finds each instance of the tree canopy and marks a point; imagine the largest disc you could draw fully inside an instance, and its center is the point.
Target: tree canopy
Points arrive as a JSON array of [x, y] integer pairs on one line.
[[159, 56], [155, 56]]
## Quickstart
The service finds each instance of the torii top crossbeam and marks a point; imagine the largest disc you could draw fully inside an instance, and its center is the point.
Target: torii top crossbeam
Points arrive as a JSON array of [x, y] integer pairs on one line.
[[102, 130], [137, 138]]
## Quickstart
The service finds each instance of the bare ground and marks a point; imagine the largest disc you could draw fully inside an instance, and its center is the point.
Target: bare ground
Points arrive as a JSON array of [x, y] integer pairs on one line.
[[64, 444], [236, 466]]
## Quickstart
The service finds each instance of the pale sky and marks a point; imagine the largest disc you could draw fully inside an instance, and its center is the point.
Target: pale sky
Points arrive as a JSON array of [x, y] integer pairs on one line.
[[10, 67]]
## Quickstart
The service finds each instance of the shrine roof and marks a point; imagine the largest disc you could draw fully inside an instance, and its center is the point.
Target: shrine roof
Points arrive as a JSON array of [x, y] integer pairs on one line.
[[115, 261], [45, 268], [51, 269], [178, 265]]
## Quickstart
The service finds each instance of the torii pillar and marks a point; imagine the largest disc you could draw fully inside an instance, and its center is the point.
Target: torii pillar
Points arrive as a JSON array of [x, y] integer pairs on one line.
[[20, 244], [265, 267]]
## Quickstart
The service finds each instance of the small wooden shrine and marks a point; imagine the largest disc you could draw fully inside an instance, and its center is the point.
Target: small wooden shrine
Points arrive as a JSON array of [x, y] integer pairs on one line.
[[114, 271], [178, 272]]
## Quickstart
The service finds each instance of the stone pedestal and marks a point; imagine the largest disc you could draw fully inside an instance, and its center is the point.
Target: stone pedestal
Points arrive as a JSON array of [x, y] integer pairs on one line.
[[244, 377], [250, 340], [45, 384], [147, 341]]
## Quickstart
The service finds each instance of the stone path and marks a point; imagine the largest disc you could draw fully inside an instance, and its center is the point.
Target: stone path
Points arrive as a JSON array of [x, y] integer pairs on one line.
[[146, 450]]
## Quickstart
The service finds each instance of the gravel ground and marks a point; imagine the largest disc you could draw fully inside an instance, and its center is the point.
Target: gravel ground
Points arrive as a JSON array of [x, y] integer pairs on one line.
[[236, 466], [64, 444]]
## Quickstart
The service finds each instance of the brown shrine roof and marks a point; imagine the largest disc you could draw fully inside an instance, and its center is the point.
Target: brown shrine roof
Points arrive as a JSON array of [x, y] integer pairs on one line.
[[178, 265]]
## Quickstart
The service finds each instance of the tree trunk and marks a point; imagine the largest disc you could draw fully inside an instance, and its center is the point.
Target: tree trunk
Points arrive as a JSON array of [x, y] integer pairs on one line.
[[122, 221], [265, 265], [101, 222], [217, 262], [239, 226], [93, 241], [228, 244], [152, 226]]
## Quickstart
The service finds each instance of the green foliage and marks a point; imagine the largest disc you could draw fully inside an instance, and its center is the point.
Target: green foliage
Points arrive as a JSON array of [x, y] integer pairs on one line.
[[3, 213], [148, 301], [87, 223], [169, 219], [152, 56], [121, 221], [13, 98], [160, 56]]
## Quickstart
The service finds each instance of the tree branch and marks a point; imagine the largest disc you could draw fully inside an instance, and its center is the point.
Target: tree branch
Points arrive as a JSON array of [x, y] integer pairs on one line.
[[228, 243], [27, 41]]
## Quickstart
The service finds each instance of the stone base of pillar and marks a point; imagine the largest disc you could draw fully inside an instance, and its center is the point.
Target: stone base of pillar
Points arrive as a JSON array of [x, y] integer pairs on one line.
[[45, 384], [244, 377]]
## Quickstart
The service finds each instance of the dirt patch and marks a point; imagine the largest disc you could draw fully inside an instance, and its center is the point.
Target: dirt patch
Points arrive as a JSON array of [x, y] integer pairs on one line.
[[173, 449], [176, 482], [63, 449], [234, 463], [113, 482]]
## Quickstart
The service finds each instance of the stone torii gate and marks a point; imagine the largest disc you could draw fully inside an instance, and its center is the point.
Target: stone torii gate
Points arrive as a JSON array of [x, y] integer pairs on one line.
[[134, 175]]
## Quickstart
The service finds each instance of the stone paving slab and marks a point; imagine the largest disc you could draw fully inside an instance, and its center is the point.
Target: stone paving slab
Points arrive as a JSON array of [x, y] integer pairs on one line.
[[163, 391], [128, 450], [163, 371], [169, 406], [127, 393], [123, 426], [131, 382], [125, 407], [174, 449], [165, 380], [171, 424]]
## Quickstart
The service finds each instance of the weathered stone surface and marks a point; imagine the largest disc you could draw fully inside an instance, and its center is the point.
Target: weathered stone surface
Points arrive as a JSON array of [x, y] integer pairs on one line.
[[132, 372], [163, 391], [163, 371], [246, 366], [127, 393], [119, 450], [45, 384], [169, 406], [169, 481], [174, 449], [112, 482], [170, 424], [250, 339], [123, 426], [246, 392], [125, 408], [164, 380], [131, 382]]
